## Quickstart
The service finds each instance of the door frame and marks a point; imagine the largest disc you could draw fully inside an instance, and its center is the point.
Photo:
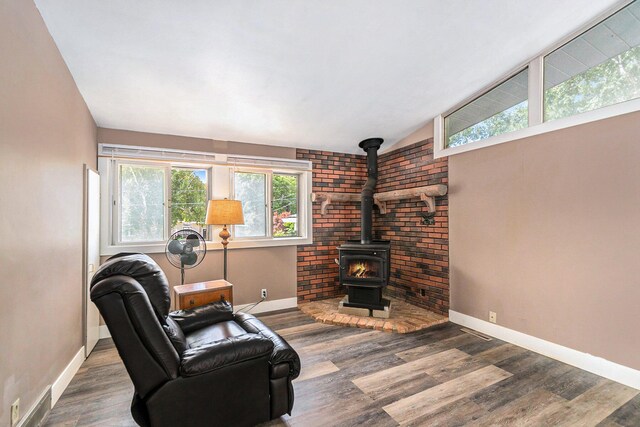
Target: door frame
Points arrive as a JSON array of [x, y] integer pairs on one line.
[[85, 256]]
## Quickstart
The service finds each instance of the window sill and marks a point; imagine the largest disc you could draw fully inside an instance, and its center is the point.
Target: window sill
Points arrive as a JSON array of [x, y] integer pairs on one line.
[[566, 122], [157, 248]]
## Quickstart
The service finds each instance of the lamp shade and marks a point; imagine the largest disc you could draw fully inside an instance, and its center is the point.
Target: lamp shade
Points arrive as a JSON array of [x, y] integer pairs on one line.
[[224, 212]]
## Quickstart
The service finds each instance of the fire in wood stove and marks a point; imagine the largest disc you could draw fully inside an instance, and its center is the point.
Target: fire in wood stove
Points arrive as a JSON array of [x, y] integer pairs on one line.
[[364, 269]]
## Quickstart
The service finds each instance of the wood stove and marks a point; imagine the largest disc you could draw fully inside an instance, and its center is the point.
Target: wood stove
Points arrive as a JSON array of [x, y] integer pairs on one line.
[[364, 263], [364, 270]]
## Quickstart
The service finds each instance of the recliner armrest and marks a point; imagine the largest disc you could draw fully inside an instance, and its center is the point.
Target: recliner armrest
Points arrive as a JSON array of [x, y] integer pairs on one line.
[[226, 352], [282, 351], [192, 319]]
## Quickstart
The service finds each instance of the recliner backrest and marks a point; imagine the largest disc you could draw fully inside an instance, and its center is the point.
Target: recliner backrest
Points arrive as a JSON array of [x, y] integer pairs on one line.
[[146, 272], [130, 294]]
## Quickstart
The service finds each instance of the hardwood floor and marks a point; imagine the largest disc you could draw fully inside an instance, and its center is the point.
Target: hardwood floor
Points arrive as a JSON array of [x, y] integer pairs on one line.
[[440, 376]]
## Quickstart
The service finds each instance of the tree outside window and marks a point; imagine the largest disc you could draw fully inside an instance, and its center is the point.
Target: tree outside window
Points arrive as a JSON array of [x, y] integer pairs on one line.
[[284, 205], [189, 195], [142, 203]]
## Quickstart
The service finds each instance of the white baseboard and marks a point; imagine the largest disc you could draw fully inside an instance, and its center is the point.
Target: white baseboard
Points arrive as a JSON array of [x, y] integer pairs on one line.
[[266, 306], [263, 307], [38, 411], [597, 365], [104, 332], [63, 380]]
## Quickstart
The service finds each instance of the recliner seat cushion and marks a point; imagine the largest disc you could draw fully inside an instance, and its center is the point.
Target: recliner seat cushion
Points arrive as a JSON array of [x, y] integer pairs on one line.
[[213, 333]]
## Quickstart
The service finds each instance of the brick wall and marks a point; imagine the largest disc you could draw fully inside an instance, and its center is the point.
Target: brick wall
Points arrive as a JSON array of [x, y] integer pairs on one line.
[[336, 172], [419, 253]]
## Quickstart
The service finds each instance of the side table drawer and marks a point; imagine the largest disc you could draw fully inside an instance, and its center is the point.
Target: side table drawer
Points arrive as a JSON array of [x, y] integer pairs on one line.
[[202, 298]]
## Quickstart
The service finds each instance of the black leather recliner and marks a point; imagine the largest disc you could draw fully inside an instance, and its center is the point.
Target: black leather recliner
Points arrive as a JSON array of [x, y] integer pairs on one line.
[[200, 367]]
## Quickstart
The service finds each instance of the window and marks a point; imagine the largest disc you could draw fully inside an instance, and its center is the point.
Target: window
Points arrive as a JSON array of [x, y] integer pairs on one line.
[[251, 188], [503, 109], [594, 76], [600, 67], [151, 208], [284, 205], [142, 197], [189, 196], [148, 193]]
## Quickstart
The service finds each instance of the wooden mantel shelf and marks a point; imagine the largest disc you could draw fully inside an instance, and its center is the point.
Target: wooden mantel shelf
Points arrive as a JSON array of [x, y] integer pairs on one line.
[[427, 194]]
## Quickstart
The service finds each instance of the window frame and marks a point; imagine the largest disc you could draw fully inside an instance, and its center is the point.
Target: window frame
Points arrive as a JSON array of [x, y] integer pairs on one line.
[[269, 203], [219, 186], [192, 167], [486, 92], [537, 125], [116, 238], [116, 216], [267, 199], [299, 217]]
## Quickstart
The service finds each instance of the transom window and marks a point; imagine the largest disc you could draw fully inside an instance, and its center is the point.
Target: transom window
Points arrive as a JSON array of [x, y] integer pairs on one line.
[[502, 109], [593, 76], [600, 67]]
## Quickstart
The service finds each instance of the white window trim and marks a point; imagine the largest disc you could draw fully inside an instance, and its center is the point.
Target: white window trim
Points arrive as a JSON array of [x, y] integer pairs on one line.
[[302, 207], [116, 211], [550, 126], [537, 125], [267, 197], [219, 178]]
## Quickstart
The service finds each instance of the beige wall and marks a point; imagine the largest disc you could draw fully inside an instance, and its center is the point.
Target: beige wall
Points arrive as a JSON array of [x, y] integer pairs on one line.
[[420, 134], [250, 270], [46, 135], [546, 232]]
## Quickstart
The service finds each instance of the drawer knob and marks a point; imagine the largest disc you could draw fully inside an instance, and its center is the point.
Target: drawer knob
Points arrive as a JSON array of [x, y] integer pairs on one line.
[[191, 302]]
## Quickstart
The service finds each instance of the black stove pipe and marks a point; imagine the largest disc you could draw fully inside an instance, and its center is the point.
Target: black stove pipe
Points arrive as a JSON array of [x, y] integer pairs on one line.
[[370, 146]]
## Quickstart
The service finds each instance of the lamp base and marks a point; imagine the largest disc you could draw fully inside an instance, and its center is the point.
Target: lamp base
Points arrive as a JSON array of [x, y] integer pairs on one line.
[[224, 235]]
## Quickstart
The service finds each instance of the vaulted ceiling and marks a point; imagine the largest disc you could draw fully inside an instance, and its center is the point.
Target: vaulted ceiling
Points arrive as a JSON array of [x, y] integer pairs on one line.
[[320, 74]]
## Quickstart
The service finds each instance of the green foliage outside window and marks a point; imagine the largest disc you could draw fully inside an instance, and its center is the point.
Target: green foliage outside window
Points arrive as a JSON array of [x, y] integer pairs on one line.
[[514, 118], [284, 205], [141, 203], [613, 81], [188, 196]]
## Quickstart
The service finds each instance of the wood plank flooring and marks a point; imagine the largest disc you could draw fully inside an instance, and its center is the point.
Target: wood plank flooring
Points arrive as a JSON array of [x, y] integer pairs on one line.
[[439, 376]]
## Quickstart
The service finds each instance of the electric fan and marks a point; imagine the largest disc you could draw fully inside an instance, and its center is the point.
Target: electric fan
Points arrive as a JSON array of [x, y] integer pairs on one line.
[[185, 249]]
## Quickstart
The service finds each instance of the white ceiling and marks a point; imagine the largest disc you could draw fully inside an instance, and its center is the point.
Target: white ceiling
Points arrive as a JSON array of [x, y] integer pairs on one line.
[[320, 74]]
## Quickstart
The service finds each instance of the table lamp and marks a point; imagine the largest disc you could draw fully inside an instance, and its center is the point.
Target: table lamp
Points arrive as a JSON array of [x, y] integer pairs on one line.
[[224, 212]]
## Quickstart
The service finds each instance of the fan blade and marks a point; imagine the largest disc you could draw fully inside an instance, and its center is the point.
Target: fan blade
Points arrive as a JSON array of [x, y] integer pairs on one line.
[[188, 259], [175, 247], [194, 240]]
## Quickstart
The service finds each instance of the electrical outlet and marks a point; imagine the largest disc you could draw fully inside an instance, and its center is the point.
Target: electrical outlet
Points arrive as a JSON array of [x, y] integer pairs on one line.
[[493, 317], [263, 294], [15, 412]]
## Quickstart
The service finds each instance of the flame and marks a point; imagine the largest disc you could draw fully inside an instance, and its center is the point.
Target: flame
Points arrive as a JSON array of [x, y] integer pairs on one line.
[[360, 270]]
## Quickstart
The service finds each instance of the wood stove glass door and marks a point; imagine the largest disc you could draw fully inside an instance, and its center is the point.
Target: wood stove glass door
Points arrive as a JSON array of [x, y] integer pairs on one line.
[[362, 267]]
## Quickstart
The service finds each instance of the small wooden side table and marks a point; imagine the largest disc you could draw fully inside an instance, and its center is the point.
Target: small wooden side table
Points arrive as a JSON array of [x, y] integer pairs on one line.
[[197, 294]]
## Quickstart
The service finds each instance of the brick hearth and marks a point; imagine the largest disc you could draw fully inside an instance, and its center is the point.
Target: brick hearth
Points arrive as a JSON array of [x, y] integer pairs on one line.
[[404, 317]]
